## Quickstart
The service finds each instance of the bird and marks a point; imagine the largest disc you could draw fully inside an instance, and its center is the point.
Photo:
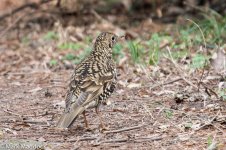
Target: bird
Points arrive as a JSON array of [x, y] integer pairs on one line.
[[93, 81]]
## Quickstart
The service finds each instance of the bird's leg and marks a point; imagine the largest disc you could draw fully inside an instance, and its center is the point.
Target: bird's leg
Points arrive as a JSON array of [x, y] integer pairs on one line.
[[85, 121], [100, 118]]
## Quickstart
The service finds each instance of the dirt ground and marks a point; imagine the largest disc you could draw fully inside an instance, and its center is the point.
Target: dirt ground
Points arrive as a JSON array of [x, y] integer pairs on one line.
[[30, 98], [153, 107]]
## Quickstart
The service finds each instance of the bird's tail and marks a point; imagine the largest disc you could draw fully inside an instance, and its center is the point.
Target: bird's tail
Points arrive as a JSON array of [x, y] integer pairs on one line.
[[68, 118]]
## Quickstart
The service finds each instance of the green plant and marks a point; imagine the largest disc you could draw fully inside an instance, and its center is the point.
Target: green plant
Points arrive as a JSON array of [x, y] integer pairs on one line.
[[51, 35], [185, 38], [53, 62], [69, 45], [199, 61], [80, 57], [117, 52], [88, 39], [25, 40], [168, 113], [134, 51], [214, 27], [179, 54], [222, 93], [209, 140], [69, 56], [154, 45]]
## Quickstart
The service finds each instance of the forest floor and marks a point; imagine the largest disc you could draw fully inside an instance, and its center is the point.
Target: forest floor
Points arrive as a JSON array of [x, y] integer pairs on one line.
[[163, 106]]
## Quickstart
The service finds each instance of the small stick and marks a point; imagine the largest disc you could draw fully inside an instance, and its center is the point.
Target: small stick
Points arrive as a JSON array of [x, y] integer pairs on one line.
[[11, 113], [179, 69], [35, 122], [205, 86], [209, 122], [118, 110], [127, 139], [111, 141], [115, 140], [82, 139], [156, 138], [124, 129], [201, 77], [199, 30], [161, 84], [190, 83]]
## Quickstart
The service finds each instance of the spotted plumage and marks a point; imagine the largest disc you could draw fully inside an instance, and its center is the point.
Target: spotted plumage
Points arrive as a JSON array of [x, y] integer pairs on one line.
[[92, 82]]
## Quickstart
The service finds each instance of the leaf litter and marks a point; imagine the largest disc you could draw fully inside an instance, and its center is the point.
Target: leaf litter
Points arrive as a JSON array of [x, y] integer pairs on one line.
[[162, 106]]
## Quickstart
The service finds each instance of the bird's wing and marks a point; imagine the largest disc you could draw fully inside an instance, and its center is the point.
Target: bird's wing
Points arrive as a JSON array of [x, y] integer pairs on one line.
[[76, 108], [84, 88], [106, 80]]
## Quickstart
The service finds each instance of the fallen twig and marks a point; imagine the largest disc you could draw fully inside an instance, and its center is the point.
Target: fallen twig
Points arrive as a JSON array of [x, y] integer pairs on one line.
[[124, 129], [153, 138], [190, 83], [142, 139], [201, 78], [179, 69], [118, 110], [166, 83], [115, 140], [35, 122], [209, 122], [212, 91], [204, 40], [11, 113], [82, 139]]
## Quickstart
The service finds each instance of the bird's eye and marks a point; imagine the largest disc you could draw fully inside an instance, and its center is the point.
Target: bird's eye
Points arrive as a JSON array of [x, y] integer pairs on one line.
[[113, 38]]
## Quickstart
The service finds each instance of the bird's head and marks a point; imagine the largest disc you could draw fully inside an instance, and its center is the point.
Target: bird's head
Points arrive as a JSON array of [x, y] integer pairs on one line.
[[106, 40]]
